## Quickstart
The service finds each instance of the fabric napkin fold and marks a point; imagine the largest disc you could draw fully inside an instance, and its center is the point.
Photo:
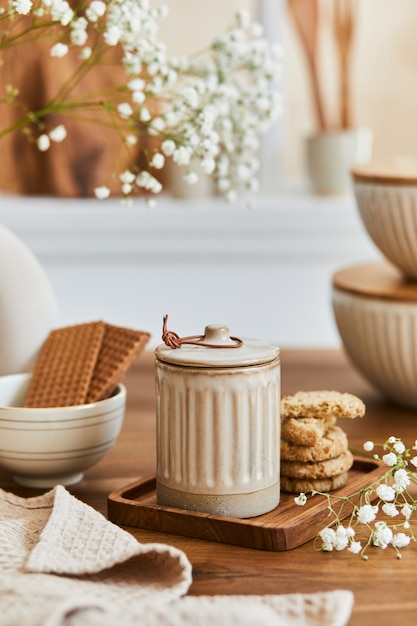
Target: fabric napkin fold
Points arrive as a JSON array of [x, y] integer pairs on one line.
[[63, 564]]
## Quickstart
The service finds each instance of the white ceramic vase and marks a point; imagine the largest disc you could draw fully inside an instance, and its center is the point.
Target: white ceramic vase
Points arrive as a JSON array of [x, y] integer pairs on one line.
[[28, 309], [331, 155]]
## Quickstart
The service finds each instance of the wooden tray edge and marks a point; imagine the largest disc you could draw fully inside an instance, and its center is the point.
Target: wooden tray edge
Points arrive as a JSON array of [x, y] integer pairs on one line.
[[259, 532]]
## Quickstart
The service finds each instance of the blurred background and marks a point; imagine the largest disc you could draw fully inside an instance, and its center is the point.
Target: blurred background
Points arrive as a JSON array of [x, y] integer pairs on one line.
[[266, 271]]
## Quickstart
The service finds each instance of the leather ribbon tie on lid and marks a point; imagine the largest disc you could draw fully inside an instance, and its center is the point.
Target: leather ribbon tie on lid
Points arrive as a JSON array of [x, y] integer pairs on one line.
[[173, 340]]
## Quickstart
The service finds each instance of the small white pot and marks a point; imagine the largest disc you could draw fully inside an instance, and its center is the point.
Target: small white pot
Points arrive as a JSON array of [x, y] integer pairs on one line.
[[331, 155]]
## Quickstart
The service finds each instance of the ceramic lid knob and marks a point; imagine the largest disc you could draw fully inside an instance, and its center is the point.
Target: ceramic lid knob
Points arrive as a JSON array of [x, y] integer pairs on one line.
[[217, 334]]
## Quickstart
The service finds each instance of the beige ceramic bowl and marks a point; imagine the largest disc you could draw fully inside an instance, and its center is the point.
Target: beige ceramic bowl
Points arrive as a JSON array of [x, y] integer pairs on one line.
[[386, 195], [46, 447], [376, 315]]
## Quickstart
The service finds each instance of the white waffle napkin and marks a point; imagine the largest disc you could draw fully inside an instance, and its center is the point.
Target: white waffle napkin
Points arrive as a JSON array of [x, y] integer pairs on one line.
[[63, 564]]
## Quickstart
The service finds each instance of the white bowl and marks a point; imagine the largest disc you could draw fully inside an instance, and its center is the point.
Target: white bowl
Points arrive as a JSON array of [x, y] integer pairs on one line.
[[46, 447], [386, 196], [379, 334]]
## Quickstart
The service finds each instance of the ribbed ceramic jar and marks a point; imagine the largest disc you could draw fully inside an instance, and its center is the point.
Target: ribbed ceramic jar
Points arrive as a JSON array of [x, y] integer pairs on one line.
[[218, 426]]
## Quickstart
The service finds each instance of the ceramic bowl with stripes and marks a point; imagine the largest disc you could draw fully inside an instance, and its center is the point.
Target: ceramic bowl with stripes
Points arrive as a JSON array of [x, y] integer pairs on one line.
[[43, 447], [380, 338], [386, 196]]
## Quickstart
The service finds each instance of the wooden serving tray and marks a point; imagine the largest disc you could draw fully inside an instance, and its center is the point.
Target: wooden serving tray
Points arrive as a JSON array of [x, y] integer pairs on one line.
[[286, 527]]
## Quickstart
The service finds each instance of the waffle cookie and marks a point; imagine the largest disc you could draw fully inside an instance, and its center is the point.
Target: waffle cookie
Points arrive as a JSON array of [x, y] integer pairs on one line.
[[82, 363], [120, 347], [65, 365]]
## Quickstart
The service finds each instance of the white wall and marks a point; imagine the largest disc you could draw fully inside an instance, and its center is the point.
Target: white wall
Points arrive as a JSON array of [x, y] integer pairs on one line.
[[265, 272]]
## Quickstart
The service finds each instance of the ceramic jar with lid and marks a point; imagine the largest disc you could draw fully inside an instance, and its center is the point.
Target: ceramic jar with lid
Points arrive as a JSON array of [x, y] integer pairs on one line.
[[218, 425]]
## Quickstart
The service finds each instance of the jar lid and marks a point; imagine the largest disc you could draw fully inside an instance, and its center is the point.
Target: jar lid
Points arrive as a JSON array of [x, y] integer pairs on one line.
[[395, 171], [376, 280], [213, 350]]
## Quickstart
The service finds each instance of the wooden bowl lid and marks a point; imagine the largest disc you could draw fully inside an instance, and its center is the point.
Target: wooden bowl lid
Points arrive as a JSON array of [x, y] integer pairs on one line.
[[376, 280], [399, 171]]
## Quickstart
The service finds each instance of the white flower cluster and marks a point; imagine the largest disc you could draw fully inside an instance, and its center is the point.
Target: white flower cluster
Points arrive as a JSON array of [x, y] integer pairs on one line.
[[227, 100], [389, 495], [206, 115]]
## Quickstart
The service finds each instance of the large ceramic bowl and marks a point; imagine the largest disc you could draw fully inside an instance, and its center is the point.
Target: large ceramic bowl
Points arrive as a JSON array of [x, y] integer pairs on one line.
[[378, 328], [386, 195], [46, 447]]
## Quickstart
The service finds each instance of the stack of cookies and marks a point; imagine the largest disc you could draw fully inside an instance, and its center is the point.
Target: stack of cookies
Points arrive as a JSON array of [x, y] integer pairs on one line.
[[314, 451]]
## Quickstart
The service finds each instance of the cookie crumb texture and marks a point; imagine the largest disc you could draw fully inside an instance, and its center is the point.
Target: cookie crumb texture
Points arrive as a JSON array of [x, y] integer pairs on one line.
[[322, 404]]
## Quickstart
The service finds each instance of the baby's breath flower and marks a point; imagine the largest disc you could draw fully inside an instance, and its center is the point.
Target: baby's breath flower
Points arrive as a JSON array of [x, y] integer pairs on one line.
[[342, 539], [148, 182], [400, 540], [328, 536], [79, 37], [102, 192], [138, 97], [382, 535], [61, 12], [22, 7], [406, 510], [58, 133], [59, 50], [385, 492], [368, 446], [131, 140], [390, 509], [389, 493], [125, 110], [355, 547], [43, 142], [367, 513], [145, 115], [401, 480], [168, 147], [399, 447], [96, 10], [390, 459], [112, 35], [158, 161], [136, 84], [301, 499], [182, 155], [127, 177], [214, 106]]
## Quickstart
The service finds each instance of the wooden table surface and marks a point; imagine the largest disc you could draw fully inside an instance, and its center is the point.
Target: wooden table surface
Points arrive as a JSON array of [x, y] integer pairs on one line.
[[384, 587]]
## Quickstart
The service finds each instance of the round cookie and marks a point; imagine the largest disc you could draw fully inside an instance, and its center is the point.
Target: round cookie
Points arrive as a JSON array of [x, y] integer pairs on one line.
[[331, 445], [305, 431], [300, 485], [318, 469], [322, 404]]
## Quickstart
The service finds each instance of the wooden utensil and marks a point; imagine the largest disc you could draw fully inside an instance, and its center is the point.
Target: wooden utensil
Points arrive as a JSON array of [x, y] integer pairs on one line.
[[306, 18], [344, 22]]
